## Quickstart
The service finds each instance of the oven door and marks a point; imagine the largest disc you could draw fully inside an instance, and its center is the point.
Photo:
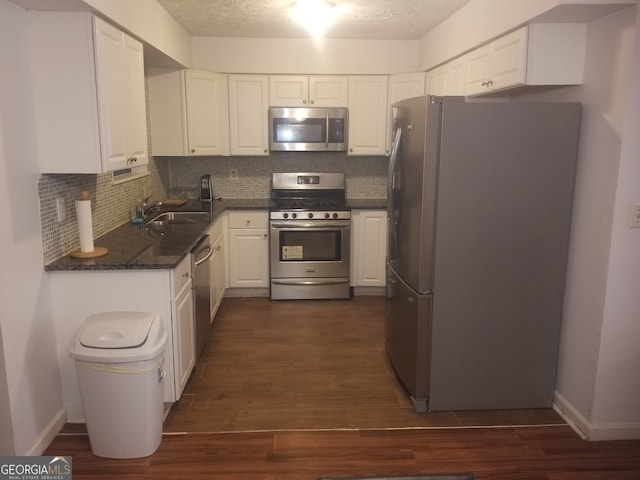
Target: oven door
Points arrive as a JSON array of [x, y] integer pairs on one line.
[[310, 249]]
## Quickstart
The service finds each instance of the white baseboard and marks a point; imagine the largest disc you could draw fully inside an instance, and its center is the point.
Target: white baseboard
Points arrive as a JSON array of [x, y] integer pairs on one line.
[[373, 291], [590, 431], [246, 292], [48, 434]]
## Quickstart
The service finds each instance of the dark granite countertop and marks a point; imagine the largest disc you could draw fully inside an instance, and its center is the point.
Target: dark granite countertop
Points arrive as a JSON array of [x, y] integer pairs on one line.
[[135, 247]]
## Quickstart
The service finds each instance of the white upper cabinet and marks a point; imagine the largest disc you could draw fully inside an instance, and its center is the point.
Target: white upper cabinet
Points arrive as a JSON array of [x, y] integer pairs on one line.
[[406, 85], [456, 80], [447, 79], [89, 102], [539, 54], [368, 114], [308, 91], [188, 112], [437, 80], [402, 86], [248, 114]]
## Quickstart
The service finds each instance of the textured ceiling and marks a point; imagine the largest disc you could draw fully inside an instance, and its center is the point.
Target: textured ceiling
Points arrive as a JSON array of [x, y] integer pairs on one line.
[[366, 19]]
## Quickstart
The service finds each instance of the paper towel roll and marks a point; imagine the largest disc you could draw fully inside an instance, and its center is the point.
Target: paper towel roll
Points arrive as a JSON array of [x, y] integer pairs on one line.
[[85, 225]]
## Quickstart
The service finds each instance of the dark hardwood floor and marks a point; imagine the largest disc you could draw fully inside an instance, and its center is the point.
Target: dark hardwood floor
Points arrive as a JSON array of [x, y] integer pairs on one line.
[[302, 390]]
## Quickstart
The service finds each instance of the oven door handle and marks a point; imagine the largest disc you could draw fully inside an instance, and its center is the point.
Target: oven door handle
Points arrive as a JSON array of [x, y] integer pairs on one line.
[[336, 281], [312, 224]]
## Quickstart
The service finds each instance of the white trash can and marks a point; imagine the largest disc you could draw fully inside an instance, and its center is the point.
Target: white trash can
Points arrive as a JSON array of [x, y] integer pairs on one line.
[[119, 362]]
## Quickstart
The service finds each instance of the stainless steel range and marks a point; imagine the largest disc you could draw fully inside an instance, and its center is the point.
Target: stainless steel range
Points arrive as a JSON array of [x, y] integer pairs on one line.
[[310, 235]]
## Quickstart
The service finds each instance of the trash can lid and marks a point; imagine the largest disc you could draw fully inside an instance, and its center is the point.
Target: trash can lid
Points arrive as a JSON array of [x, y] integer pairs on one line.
[[116, 330], [120, 337]]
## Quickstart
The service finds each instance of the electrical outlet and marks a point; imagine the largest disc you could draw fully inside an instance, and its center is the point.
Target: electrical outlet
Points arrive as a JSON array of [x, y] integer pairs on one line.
[[61, 209], [634, 218], [233, 174]]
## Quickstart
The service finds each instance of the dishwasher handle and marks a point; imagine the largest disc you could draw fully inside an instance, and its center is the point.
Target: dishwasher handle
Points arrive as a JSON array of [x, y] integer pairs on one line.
[[207, 256]]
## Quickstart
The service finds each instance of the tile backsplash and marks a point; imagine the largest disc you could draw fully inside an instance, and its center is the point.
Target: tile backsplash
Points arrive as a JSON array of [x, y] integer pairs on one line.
[[113, 205], [365, 177]]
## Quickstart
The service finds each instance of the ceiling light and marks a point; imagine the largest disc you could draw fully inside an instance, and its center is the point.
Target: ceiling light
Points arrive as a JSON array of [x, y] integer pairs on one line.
[[316, 16]]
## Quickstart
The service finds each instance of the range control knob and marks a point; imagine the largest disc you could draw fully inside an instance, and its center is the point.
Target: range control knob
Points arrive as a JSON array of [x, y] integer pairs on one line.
[[294, 215], [310, 215], [326, 215], [335, 215], [285, 215]]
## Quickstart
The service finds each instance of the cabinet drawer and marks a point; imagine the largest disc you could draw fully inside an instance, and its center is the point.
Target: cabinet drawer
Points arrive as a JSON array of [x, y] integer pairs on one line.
[[248, 219], [180, 275]]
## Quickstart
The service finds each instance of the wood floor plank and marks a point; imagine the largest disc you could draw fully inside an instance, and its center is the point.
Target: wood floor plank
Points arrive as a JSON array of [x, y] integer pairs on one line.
[[514, 453]]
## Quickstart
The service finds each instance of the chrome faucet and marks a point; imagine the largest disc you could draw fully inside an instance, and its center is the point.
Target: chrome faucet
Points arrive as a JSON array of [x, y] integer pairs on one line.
[[150, 207]]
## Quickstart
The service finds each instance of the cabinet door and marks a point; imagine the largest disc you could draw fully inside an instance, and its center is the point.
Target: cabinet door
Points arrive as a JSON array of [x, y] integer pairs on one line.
[[184, 346], [219, 275], [437, 80], [248, 114], [509, 60], [405, 86], [112, 97], [478, 63], [137, 138], [248, 257], [456, 71], [328, 91], [288, 90], [371, 245], [401, 87], [207, 113], [367, 114]]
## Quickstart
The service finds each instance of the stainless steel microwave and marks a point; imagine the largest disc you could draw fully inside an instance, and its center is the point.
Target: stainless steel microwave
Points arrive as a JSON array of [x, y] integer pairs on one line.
[[308, 129]]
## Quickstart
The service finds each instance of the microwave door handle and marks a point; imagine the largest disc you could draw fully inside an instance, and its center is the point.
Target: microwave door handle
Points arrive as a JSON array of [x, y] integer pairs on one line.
[[326, 137]]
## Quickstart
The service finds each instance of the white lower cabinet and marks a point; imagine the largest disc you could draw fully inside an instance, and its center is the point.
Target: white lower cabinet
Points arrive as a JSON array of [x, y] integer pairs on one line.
[[248, 249], [182, 326], [168, 293], [369, 248], [218, 264]]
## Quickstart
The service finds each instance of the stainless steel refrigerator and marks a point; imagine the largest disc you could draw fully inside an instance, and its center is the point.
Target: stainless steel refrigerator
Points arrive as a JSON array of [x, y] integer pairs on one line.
[[479, 213]]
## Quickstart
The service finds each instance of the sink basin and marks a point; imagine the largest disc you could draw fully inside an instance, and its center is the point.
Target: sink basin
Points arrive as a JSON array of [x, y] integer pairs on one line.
[[179, 218]]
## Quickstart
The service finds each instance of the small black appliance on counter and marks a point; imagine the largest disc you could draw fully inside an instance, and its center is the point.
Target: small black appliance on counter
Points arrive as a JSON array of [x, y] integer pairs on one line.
[[206, 191]]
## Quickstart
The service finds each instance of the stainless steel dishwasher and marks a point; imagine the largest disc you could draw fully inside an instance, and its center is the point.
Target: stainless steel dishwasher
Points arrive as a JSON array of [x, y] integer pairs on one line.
[[201, 273]]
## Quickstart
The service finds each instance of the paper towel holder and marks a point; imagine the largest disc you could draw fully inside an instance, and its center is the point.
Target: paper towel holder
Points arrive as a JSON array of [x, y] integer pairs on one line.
[[97, 251]]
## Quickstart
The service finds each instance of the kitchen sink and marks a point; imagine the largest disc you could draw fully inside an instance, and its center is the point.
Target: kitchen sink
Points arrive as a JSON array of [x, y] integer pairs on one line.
[[180, 218]]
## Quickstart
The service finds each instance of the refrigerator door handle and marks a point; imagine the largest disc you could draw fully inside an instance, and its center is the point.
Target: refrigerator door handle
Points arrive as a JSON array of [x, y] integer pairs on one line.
[[393, 160], [392, 184]]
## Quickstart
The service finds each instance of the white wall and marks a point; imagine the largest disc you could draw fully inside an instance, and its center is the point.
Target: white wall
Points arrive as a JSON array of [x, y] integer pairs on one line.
[[273, 55], [617, 389], [28, 340]]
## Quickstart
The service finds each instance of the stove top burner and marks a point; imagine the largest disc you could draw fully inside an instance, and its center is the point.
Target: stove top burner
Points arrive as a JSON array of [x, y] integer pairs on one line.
[[308, 196], [309, 204]]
